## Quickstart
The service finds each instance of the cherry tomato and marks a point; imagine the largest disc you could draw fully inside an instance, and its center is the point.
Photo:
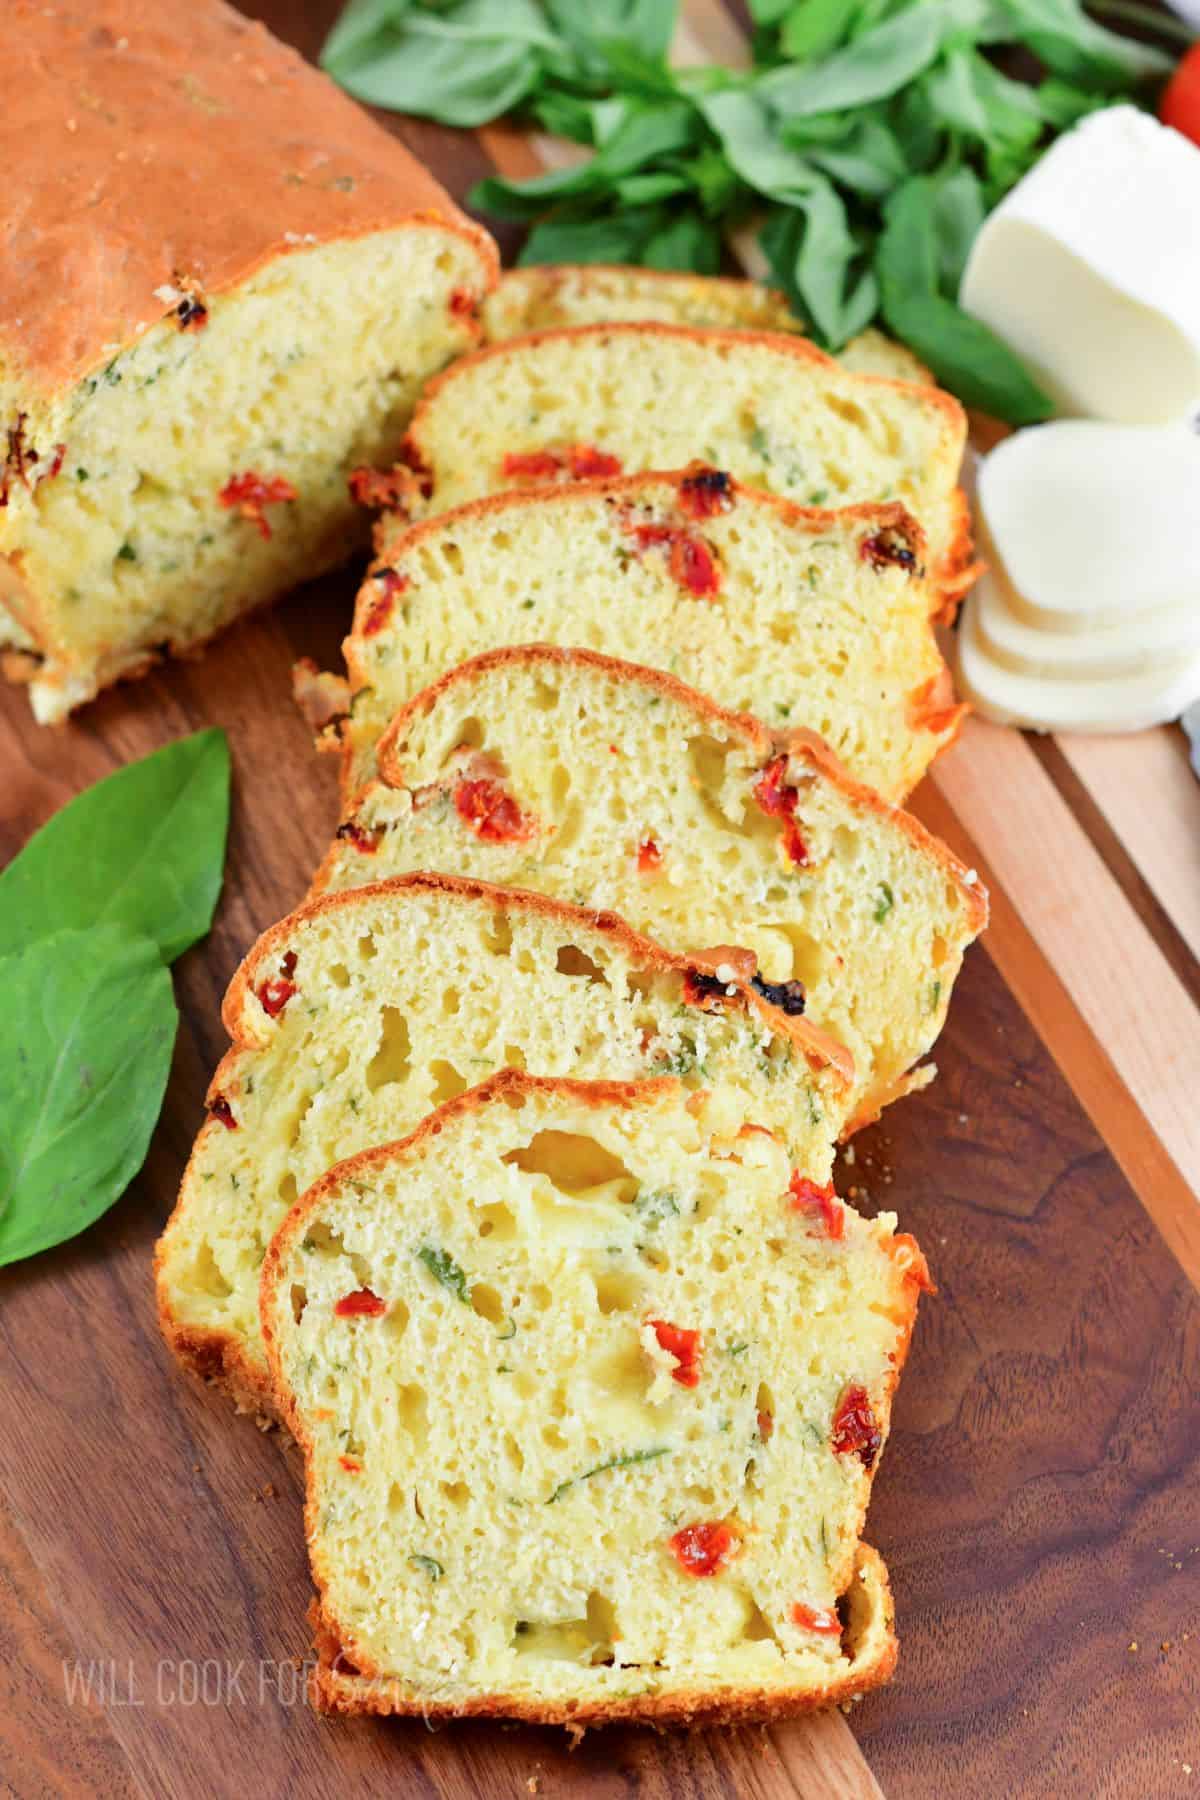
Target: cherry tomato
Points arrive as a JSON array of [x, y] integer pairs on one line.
[[1180, 104]]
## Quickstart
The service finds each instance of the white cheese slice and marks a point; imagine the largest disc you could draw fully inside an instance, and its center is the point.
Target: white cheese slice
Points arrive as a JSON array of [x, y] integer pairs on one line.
[[1090, 270], [1093, 524], [1113, 703], [1130, 646]]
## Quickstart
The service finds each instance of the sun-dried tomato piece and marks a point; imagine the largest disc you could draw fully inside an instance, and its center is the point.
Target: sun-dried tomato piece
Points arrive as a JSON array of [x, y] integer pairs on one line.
[[694, 566], [685, 1346], [805, 1196], [360, 1304], [388, 584], [463, 303], [704, 990], [532, 465], [60, 451], [765, 1422], [888, 547], [491, 812], [274, 995], [366, 839], [779, 800], [220, 1108], [584, 461], [817, 1618], [191, 314], [351, 1465], [788, 996], [704, 492], [701, 1549], [649, 857], [374, 488], [17, 458], [855, 1430], [249, 492]]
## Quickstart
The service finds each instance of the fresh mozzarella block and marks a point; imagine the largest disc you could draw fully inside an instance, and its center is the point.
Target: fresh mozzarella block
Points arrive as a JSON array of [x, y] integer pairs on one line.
[[1056, 703], [1130, 646], [1094, 524], [1090, 269]]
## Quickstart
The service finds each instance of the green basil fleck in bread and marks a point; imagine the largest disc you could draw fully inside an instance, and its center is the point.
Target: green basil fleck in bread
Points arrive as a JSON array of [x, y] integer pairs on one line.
[[803, 617], [588, 778], [591, 1398], [359, 1014], [547, 296], [772, 410], [222, 288]]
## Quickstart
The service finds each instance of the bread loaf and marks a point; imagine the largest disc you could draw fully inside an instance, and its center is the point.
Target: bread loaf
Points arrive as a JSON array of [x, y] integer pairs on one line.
[[804, 617], [591, 1393], [221, 289], [356, 1016], [771, 410], [547, 296], [616, 786]]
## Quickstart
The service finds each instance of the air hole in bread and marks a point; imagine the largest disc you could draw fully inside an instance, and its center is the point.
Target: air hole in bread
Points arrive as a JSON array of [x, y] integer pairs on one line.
[[339, 974], [514, 1057], [412, 1411], [451, 1001], [513, 1453], [447, 1082], [757, 1628], [395, 1320], [617, 1290], [487, 1303], [573, 961], [575, 1164], [206, 1277], [553, 1437], [456, 1492], [470, 735], [808, 960], [497, 935], [367, 947], [939, 951], [392, 1061], [764, 1407], [288, 1190], [497, 1221], [299, 1301], [543, 697]]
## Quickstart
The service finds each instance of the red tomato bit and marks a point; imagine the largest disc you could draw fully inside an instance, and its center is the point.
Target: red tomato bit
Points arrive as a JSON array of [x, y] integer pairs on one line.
[[685, 1346], [649, 857], [1180, 104], [704, 990], [585, 461], [888, 547], [191, 314], [532, 465], [250, 492], [701, 1549], [766, 1424], [388, 583], [220, 1108], [381, 487], [704, 492], [807, 1197], [351, 1465], [366, 841], [779, 800], [361, 1304], [492, 814], [463, 303], [816, 1618], [695, 567], [274, 995], [855, 1431]]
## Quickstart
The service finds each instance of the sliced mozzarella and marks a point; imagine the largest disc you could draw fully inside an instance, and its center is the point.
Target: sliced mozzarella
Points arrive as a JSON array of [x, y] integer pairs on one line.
[[1095, 524], [1090, 269], [1131, 646], [1048, 703]]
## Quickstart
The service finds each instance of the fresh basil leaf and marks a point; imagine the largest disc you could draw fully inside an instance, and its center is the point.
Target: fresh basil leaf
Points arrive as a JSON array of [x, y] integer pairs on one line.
[[565, 115], [1062, 105], [868, 161], [872, 68], [969, 96], [906, 256], [91, 1023], [645, 190], [463, 66], [646, 26], [646, 132], [958, 212], [1075, 47], [688, 242], [815, 27], [966, 357], [812, 254], [602, 238], [754, 148], [145, 848], [768, 13], [359, 28]]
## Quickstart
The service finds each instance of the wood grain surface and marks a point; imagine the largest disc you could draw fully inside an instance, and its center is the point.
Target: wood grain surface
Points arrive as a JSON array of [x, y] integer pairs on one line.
[[1039, 1505]]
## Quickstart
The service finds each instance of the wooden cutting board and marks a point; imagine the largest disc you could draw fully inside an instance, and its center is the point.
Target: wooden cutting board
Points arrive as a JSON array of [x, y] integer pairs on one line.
[[1039, 1504]]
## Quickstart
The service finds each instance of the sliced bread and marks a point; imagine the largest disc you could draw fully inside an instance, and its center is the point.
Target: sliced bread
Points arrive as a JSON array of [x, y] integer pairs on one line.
[[356, 1016], [772, 410], [594, 780], [812, 618], [591, 1396], [547, 296]]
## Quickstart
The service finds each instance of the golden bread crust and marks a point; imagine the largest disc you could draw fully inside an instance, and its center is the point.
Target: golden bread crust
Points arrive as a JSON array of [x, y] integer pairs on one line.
[[166, 144]]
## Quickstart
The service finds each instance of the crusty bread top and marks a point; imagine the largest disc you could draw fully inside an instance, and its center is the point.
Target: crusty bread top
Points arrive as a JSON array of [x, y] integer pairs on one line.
[[146, 143]]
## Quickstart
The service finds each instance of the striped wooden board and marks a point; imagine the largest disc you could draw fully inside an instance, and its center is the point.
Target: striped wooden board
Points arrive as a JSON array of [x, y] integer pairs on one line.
[[1039, 1505]]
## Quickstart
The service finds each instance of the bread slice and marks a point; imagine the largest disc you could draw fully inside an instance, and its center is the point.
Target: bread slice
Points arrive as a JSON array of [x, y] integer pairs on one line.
[[591, 1395], [817, 618], [547, 296], [222, 287], [773, 411], [592, 779], [356, 1016]]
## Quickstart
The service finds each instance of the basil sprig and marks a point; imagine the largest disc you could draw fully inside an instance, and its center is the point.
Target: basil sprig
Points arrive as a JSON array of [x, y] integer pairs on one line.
[[118, 883], [863, 126]]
